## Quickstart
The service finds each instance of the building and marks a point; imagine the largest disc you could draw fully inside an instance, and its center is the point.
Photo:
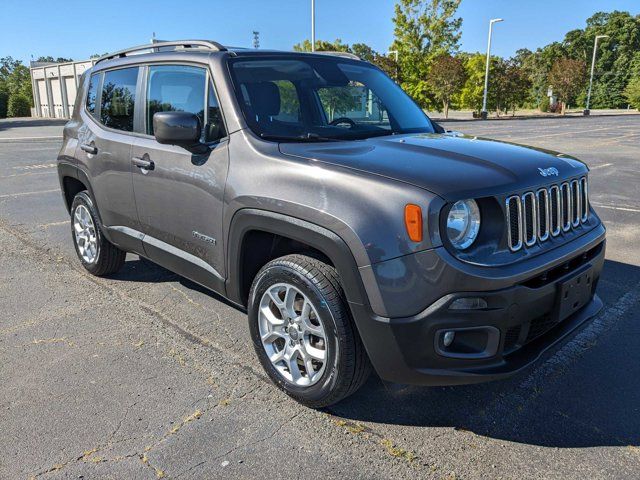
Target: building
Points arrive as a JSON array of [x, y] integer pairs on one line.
[[54, 87]]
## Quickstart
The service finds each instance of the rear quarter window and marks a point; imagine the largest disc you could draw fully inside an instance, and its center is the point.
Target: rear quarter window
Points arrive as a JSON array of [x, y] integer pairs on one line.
[[92, 94]]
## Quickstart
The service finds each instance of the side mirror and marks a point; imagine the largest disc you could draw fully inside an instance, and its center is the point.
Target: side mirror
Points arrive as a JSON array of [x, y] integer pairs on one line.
[[177, 128]]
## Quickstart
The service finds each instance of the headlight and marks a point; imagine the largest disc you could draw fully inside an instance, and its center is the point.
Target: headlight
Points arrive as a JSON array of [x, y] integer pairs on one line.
[[463, 223]]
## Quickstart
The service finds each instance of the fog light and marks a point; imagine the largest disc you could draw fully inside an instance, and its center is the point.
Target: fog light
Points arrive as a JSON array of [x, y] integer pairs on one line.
[[468, 303], [447, 338]]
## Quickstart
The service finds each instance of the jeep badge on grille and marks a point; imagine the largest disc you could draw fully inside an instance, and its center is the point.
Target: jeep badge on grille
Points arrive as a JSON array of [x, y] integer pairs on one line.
[[547, 172]]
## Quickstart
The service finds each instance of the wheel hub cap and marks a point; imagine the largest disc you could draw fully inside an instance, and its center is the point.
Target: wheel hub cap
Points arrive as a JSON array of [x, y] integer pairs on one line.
[[85, 234], [292, 334]]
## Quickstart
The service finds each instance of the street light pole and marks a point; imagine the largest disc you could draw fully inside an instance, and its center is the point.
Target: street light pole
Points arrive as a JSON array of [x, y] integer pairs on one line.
[[486, 72], [593, 64], [313, 25]]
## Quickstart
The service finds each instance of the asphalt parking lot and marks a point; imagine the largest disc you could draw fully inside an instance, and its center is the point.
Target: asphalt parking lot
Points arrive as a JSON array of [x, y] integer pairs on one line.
[[146, 375]]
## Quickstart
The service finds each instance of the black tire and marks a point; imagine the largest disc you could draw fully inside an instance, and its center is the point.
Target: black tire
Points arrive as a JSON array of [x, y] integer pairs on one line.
[[109, 258], [348, 365]]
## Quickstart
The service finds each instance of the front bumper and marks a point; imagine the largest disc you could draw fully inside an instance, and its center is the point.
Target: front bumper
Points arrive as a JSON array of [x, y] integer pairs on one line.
[[528, 315]]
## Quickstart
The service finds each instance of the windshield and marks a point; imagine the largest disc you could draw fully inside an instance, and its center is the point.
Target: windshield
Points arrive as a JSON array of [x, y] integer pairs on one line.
[[308, 98]]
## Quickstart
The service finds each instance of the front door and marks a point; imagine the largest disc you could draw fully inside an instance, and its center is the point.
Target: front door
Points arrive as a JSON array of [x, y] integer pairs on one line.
[[179, 196]]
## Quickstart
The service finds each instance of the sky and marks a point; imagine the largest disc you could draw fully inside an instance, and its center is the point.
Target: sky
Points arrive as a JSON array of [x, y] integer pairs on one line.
[[79, 28]]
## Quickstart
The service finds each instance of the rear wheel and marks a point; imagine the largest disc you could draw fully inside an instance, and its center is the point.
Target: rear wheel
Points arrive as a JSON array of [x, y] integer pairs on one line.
[[96, 253], [303, 333]]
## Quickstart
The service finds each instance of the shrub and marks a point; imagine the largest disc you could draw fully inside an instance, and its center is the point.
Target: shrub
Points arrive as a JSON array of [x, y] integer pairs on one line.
[[19, 106], [632, 93], [544, 104], [3, 104]]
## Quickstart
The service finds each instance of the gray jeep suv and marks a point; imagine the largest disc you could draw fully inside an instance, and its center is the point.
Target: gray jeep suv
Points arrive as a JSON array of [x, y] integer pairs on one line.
[[310, 190]]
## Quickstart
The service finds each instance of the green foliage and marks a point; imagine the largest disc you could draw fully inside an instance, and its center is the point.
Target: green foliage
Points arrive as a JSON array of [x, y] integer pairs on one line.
[[322, 46], [337, 100], [632, 93], [15, 89], [19, 106], [4, 97], [423, 31], [544, 105], [49, 58], [473, 89]]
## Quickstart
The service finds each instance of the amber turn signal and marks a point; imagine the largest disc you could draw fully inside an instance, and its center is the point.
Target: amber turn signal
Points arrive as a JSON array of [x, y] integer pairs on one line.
[[413, 222]]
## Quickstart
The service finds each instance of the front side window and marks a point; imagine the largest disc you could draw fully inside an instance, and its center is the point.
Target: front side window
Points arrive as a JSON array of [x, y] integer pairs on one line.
[[307, 98], [175, 88], [118, 98], [92, 94]]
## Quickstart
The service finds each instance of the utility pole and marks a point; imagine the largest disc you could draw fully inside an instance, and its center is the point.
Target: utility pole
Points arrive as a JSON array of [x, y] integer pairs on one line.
[[484, 113], [593, 64], [313, 25], [256, 39]]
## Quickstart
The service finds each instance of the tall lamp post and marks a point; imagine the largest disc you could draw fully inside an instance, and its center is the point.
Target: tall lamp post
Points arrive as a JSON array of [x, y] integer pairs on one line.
[[484, 114], [593, 64], [313, 25]]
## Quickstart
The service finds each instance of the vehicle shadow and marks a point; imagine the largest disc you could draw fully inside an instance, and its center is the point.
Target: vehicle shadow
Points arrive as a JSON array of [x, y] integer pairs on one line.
[[141, 270], [592, 401]]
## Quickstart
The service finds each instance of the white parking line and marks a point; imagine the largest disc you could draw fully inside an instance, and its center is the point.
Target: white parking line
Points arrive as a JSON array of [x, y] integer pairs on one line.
[[37, 166], [611, 207], [536, 381], [28, 174], [600, 166], [12, 195], [13, 139], [54, 224]]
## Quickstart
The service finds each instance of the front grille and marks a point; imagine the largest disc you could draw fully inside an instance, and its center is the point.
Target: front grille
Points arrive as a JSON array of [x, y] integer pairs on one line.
[[533, 217]]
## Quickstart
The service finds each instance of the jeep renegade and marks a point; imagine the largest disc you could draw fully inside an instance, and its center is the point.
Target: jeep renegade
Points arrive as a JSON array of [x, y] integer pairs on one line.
[[310, 190]]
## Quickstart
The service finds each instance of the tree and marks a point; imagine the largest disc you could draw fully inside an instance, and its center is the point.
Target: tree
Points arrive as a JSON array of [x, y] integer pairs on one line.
[[567, 77], [49, 58], [446, 77], [337, 100], [473, 89], [632, 93], [322, 46], [19, 106], [423, 30], [15, 80], [510, 85]]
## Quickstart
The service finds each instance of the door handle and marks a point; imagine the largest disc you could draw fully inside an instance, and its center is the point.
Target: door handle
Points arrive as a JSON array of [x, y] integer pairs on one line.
[[142, 163], [91, 149]]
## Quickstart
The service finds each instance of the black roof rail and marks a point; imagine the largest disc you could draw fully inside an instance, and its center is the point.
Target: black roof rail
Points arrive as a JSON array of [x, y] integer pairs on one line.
[[154, 47]]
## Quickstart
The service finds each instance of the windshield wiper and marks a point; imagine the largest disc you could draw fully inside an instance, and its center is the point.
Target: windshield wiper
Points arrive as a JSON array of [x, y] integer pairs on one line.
[[307, 137]]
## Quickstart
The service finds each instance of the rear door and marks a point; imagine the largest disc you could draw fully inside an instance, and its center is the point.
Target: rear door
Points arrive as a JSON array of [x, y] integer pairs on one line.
[[104, 153], [180, 199]]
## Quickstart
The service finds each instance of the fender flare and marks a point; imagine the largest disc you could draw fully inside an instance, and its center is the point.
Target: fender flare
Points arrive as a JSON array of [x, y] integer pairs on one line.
[[320, 238]]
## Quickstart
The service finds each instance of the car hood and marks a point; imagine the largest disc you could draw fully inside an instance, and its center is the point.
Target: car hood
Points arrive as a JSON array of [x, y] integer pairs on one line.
[[453, 166]]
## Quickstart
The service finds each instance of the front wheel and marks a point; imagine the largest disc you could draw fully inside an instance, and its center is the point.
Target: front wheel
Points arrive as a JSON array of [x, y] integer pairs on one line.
[[96, 253], [303, 333]]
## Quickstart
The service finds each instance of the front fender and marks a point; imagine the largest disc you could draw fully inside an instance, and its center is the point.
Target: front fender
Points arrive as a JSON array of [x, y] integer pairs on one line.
[[320, 238]]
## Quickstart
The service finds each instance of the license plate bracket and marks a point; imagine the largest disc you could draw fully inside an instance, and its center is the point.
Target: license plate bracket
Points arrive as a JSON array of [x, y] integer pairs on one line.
[[574, 293]]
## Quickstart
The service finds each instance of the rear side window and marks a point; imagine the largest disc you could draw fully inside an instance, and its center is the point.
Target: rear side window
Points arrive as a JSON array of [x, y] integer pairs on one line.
[[175, 88], [92, 94], [118, 98]]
